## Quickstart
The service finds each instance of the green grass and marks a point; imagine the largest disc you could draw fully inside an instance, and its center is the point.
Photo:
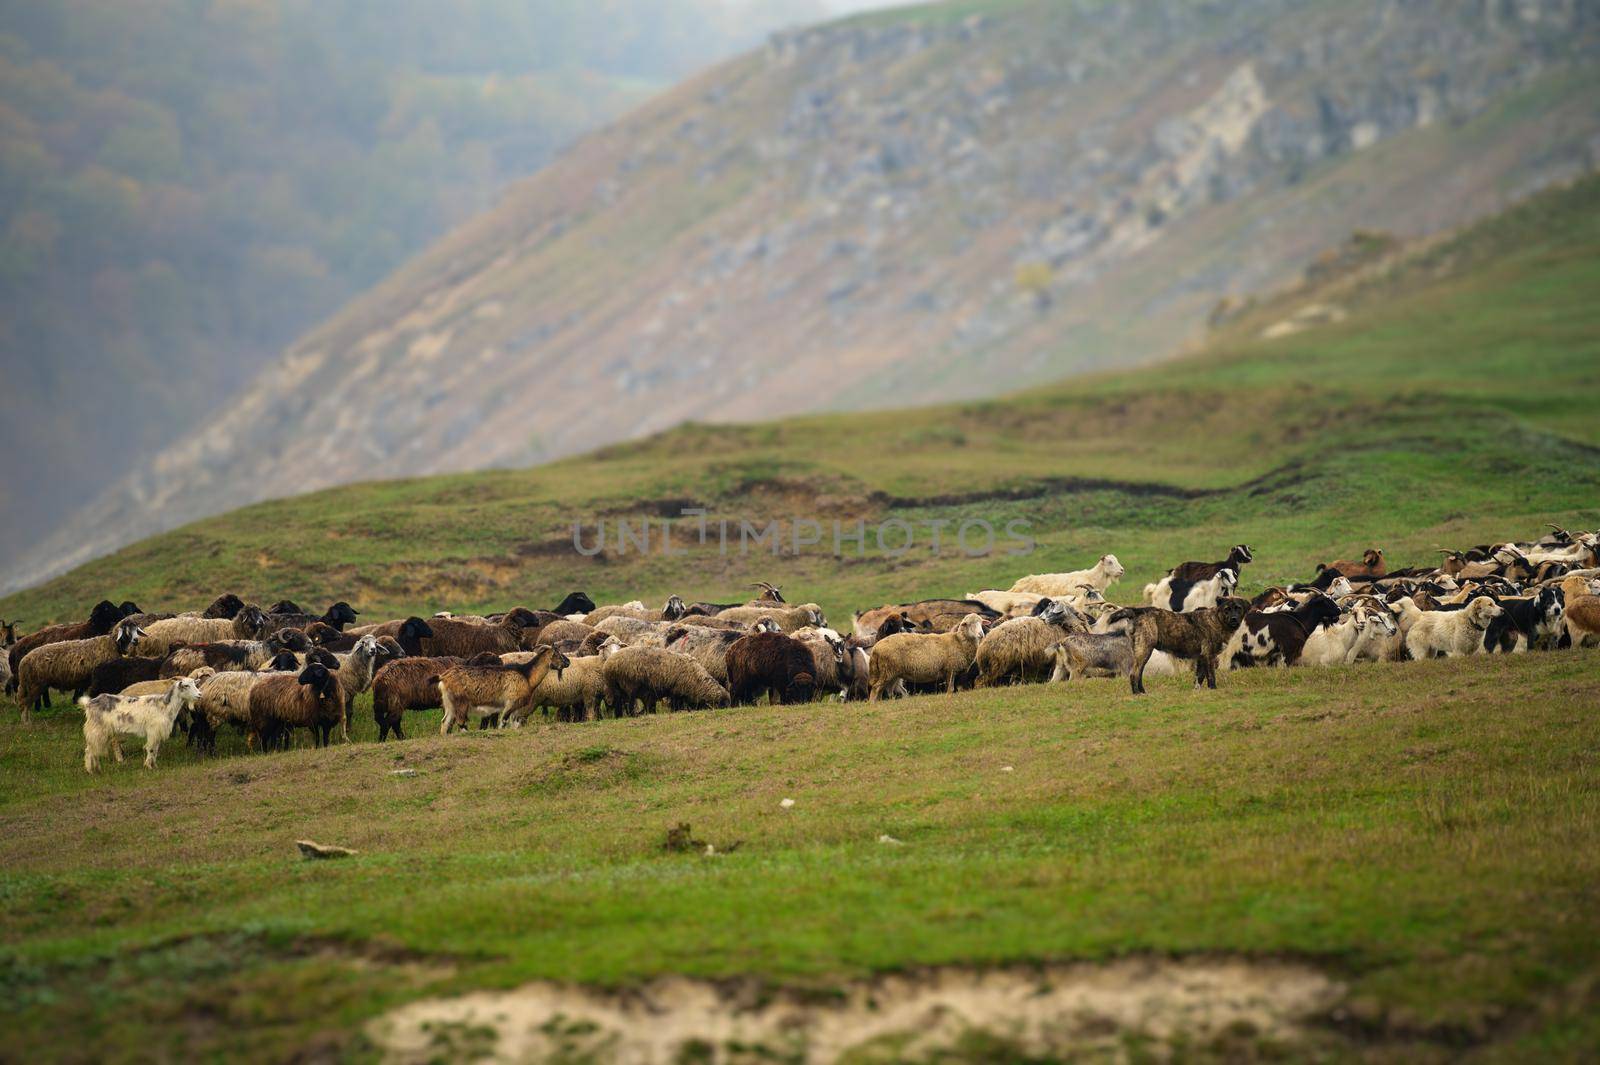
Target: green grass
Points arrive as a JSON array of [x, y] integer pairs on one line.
[[1427, 832]]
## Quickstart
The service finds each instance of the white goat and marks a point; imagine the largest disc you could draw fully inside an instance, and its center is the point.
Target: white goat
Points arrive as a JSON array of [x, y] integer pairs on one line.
[[150, 716]]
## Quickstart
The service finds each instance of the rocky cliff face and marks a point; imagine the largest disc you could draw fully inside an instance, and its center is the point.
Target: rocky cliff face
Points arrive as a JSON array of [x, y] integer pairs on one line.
[[905, 207]]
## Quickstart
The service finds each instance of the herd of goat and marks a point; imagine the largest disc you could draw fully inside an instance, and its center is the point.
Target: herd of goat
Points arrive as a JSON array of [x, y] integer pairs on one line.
[[270, 672]]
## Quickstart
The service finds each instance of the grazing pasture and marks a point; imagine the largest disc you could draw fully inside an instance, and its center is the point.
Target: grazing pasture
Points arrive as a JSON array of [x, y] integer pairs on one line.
[[1425, 835]]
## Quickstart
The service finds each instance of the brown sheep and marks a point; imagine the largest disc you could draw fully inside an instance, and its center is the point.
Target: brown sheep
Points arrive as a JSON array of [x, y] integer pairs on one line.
[[283, 702], [408, 684], [70, 664], [772, 664], [924, 658], [102, 619]]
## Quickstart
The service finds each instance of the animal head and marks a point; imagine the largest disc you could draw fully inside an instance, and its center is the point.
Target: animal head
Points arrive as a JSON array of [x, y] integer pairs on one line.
[[318, 678], [1482, 610], [813, 615], [521, 617], [282, 662], [8, 633], [104, 617], [766, 624], [1227, 581], [186, 691], [201, 675], [128, 636], [674, 608], [609, 647], [1549, 605], [574, 603], [971, 627], [1231, 611], [389, 649], [1340, 587], [366, 646], [285, 606], [1090, 594], [1240, 554], [769, 592], [253, 620], [293, 640], [322, 656], [1113, 569], [836, 645], [414, 628], [224, 607], [127, 608], [341, 614]]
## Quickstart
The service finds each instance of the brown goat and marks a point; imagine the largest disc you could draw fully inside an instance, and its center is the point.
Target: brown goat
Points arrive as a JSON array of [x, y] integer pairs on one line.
[[504, 691]]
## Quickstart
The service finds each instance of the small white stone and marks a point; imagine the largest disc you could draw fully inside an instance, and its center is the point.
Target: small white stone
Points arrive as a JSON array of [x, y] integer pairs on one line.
[[786, 803], [886, 838], [1007, 769]]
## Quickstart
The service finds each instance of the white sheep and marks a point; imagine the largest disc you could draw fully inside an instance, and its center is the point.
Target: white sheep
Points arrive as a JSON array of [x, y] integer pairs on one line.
[[923, 658], [1100, 576], [150, 716]]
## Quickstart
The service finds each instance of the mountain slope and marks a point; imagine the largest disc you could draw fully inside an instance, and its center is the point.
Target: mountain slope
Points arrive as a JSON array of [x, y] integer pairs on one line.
[[1436, 393], [187, 187], [910, 206]]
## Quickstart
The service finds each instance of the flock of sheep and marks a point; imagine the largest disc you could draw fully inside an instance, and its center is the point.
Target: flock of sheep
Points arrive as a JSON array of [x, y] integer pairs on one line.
[[271, 672]]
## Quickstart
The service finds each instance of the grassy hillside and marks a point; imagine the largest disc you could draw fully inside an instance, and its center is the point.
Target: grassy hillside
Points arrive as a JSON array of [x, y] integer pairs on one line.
[[924, 205], [1425, 834], [1451, 405]]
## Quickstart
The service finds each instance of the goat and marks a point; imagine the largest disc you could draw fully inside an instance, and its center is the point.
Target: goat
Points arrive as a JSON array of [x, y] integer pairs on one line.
[[1371, 566], [1195, 572], [505, 691], [1181, 595], [1279, 637], [150, 716]]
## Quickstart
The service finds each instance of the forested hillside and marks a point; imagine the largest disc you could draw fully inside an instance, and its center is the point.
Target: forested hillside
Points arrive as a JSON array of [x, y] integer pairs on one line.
[[186, 185]]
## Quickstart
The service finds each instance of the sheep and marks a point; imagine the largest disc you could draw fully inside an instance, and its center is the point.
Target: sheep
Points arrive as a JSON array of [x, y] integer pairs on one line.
[[772, 664], [8, 639], [923, 658], [102, 619], [407, 684], [709, 647], [648, 674], [150, 716], [110, 678], [233, 654], [250, 623], [225, 698], [1101, 575], [1199, 636], [163, 685], [463, 639], [925, 615], [1008, 604], [336, 616], [556, 632], [1022, 648], [409, 632], [788, 618], [632, 630], [576, 692], [1582, 613], [1452, 632], [834, 666], [671, 610], [357, 668], [69, 664], [283, 702]]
